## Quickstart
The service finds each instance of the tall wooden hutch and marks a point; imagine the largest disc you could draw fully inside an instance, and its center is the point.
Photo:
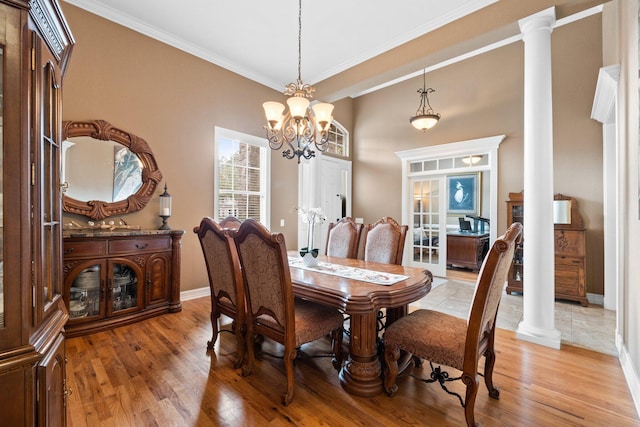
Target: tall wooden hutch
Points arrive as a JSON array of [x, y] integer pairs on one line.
[[35, 44], [569, 250]]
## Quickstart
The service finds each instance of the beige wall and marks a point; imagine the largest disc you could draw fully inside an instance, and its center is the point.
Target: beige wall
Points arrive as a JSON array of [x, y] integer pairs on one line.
[[483, 96], [173, 100]]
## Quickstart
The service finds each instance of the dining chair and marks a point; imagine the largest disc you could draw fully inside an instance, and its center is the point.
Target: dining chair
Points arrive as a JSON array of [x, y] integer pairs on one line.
[[343, 238], [384, 241], [272, 310], [225, 280], [448, 340]]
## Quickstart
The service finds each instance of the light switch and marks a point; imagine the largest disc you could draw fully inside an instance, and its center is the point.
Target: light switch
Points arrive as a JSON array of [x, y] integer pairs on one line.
[[282, 222], [359, 221]]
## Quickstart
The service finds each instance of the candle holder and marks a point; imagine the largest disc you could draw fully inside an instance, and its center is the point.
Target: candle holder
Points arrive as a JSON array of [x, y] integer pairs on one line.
[[165, 208]]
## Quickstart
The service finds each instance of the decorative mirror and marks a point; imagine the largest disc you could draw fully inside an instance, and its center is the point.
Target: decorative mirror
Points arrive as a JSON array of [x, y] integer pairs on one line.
[[106, 171]]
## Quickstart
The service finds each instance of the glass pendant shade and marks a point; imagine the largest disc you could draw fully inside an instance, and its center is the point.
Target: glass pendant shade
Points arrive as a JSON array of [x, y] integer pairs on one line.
[[298, 106], [322, 112], [471, 160], [273, 111], [425, 121]]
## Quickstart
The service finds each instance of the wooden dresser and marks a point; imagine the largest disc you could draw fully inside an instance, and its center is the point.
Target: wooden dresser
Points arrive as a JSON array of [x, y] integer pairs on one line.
[[116, 278], [570, 252]]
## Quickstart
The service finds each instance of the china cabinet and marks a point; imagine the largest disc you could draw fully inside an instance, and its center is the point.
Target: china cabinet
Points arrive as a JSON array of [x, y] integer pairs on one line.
[[35, 44], [120, 277], [569, 249]]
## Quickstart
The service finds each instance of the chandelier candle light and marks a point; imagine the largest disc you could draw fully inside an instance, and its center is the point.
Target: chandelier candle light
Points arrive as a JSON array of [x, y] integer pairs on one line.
[[300, 127], [425, 118], [312, 217]]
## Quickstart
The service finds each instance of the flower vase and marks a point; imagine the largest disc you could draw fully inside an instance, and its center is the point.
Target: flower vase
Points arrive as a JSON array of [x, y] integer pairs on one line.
[[309, 257], [309, 254]]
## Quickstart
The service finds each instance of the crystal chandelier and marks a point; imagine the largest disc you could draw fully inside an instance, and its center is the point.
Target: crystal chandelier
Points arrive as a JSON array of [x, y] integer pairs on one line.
[[301, 128], [425, 118]]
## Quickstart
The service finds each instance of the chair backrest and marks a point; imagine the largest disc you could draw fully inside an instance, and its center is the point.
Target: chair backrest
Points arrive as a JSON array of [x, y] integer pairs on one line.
[[343, 238], [230, 222], [384, 241], [223, 265], [265, 269], [489, 289]]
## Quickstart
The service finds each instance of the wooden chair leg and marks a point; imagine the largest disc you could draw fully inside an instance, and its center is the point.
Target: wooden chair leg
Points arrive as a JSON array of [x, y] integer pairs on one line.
[[249, 359], [391, 356], [240, 332], [489, 362], [338, 355], [214, 326], [472, 382], [289, 356]]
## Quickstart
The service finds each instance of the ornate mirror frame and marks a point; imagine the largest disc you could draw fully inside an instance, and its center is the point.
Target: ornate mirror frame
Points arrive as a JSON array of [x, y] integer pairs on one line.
[[151, 175]]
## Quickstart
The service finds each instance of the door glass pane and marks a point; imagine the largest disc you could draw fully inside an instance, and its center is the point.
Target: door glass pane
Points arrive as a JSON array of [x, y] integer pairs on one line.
[[426, 221], [124, 293], [84, 295], [49, 165], [1, 199]]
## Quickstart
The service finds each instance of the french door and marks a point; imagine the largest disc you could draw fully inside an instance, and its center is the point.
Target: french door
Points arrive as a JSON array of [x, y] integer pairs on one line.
[[428, 224]]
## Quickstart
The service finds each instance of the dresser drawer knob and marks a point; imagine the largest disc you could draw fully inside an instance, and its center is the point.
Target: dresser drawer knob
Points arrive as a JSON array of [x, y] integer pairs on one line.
[[141, 246], [68, 251]]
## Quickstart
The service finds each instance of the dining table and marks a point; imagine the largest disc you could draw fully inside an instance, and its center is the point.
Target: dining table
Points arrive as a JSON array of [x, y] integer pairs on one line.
[[360, 289]]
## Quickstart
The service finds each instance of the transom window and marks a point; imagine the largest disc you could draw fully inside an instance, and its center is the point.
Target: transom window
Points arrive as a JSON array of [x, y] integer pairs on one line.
[[338, 140], [242, 176]]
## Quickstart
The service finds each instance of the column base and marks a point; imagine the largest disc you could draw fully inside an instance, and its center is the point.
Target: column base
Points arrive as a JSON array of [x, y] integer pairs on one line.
[[549, 338]]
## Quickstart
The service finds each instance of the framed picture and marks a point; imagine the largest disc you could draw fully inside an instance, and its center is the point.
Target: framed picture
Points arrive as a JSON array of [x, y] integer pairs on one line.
[[462, 194]]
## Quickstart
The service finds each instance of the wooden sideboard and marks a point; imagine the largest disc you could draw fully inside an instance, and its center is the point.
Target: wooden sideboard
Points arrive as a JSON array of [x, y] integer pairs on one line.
[[467, 249], [116, 278], [569, 249]]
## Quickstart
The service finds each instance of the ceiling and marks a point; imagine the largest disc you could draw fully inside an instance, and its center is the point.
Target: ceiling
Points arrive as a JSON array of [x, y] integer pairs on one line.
[[258, 39]]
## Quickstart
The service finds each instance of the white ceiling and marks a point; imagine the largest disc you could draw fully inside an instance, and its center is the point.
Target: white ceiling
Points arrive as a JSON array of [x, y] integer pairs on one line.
[[258, 39]]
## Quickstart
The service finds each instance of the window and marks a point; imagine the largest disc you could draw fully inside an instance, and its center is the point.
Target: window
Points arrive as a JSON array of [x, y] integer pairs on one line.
[[338, 140], [242, 171]]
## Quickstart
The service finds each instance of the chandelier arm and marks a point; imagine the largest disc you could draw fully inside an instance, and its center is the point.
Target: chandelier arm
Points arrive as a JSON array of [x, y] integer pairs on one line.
[[323, 143], [275, 143]]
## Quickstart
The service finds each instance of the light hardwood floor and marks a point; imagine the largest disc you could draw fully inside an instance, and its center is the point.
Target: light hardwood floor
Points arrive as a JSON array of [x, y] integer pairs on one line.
[[158, 373]]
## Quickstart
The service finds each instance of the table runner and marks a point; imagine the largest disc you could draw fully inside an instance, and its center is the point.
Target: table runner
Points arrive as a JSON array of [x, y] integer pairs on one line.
[[371, 276]]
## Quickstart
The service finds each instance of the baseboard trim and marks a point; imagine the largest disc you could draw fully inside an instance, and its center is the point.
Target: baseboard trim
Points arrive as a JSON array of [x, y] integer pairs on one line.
[[630, 374], [596, 299], [195, 293]]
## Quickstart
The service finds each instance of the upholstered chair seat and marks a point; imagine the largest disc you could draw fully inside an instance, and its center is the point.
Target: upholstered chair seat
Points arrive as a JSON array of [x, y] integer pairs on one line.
[[435, 336], [312, 321]]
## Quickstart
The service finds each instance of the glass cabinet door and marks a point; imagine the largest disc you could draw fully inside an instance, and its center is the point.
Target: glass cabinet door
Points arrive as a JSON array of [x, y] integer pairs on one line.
[[84, 293], [124, 287]]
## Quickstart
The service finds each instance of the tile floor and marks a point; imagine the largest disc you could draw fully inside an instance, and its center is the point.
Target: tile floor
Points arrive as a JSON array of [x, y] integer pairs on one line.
[[590, 327]]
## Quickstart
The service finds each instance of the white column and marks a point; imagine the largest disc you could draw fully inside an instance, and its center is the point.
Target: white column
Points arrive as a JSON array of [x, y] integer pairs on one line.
[[538, 324]]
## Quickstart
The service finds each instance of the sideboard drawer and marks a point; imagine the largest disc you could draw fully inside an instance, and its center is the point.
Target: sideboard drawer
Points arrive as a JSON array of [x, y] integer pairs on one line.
[[140, 244], [84, 248]]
